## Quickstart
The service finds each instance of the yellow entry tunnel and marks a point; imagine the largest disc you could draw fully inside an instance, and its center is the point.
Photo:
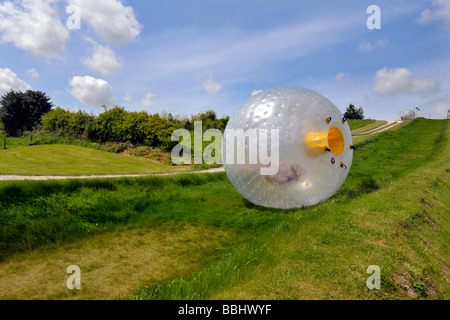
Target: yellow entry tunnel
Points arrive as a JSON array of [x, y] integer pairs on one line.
[[318, 143]]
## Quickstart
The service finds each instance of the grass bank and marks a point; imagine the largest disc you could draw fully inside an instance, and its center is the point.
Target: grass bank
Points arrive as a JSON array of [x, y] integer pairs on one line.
[[369, 126], [356, 124], [69, 160], [391, 212]]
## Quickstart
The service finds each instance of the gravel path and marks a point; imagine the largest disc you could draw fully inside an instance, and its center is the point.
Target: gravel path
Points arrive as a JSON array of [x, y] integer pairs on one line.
[[43, 178]]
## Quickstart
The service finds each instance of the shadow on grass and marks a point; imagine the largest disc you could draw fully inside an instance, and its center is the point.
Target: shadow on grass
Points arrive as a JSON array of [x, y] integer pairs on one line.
[[365, 186]]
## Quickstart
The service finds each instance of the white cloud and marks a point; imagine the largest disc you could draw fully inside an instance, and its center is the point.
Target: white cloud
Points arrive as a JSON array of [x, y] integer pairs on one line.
[[438, 107], [340, 79], [127, 98], [211, 86], [10, 81], [439, 12], [103, 60], [382, 43], [366, 46], [33, 25], [110, 20], [255, 92], [401, 80], [92, 92], [33, 73], [147, 102]]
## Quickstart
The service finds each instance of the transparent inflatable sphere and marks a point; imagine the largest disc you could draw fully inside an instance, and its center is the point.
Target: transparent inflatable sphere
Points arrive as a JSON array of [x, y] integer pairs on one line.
[[314, 147], [408, 115]]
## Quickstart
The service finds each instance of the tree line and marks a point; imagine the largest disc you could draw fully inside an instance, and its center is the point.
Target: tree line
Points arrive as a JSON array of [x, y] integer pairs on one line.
[[33, 111], [28, 111]]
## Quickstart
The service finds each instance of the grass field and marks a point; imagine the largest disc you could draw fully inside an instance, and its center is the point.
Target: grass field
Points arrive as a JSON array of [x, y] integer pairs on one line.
[[194, 237], [61, 156], [370, 126], [359, 139], [357, 124], [69, 160]]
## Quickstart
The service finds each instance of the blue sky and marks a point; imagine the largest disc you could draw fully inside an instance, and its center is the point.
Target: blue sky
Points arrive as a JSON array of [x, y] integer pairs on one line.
[[185, 57]]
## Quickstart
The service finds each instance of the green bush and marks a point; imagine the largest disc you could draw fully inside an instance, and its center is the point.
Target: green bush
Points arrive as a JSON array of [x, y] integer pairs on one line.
[[62, 122], [128, 148], [115, 147], [116, 128]]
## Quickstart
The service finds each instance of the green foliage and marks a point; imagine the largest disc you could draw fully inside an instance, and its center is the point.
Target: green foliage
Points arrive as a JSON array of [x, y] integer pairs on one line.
[[138, 151], [353, 113], [209, 120], [108, 125], [21, 111], [62, 122], [114, 125], [121, 126]]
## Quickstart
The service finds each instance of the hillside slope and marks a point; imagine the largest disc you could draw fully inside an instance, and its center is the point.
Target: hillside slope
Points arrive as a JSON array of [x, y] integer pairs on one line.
[[392, 212]]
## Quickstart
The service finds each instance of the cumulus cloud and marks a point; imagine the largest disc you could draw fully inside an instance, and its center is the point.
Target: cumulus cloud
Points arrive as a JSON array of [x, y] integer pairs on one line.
[[440, 11], [211, 86], [92, 92], [340, 79], [147, 102], [10, 81], [102, 60], [127, 98], [33, 73], [33, 25], [366, 46], [401, 80], [110, 20]]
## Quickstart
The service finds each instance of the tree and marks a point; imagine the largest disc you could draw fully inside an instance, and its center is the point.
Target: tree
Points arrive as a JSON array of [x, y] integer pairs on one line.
[[21, 111], [65, 123], [353, 113], [108, 125]]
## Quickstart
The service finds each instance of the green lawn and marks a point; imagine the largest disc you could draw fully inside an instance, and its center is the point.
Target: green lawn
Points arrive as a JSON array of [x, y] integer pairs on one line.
[[66, 158], [69, 160], [369, 126], [392, 211], [356, 124]]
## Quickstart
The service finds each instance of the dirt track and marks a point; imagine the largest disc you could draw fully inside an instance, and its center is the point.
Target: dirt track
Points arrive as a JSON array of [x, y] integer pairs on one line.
[[382, 128]]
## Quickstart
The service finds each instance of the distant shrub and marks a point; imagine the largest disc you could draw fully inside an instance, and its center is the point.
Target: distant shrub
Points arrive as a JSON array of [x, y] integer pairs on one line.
[[116, 127], [65, 123], [115, 147], [128, 148]]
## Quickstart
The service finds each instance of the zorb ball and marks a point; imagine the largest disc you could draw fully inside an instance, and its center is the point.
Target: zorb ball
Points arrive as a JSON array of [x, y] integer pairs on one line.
[[408, 115], [287, 148]]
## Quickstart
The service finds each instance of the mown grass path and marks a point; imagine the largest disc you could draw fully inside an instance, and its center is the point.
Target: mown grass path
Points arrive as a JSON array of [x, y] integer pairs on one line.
[[69, 160]]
